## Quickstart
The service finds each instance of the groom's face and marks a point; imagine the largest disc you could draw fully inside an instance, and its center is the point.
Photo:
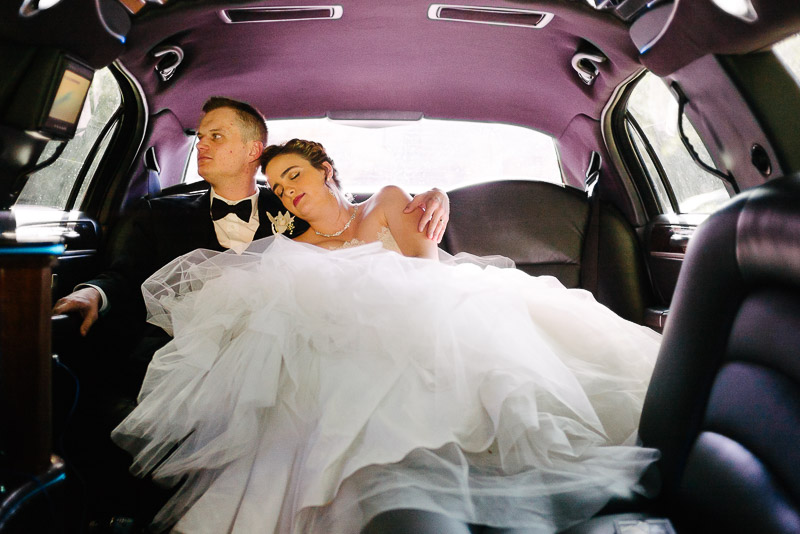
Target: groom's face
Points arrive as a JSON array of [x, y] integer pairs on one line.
[[223, 154]]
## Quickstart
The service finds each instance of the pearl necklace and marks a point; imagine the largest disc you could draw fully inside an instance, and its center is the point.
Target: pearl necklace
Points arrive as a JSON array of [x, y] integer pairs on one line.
[[346, 226]]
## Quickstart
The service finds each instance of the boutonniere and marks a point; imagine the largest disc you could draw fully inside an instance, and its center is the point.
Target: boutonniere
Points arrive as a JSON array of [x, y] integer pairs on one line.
[[282, 222]]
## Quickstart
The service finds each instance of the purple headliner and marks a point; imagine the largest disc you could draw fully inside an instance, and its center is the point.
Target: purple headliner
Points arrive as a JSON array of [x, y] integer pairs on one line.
[[385, 56]]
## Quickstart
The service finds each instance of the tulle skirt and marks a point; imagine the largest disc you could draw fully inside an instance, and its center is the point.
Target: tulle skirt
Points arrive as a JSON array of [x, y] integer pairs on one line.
[[308, 391]]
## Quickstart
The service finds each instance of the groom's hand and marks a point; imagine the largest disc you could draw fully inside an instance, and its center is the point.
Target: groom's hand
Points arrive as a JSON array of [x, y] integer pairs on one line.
[[85, 301], [435, 206]]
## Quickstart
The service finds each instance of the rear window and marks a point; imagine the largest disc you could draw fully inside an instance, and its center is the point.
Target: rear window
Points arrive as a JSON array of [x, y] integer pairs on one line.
[[421, 154]]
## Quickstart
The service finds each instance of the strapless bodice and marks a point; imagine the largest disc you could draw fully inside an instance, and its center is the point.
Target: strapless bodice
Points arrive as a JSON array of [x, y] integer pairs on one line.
[[385, 238]]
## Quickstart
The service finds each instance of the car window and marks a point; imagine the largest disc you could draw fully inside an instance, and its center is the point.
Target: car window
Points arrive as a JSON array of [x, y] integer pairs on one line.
[[63, 183], [652, 121], [788, 51], [421, 154]]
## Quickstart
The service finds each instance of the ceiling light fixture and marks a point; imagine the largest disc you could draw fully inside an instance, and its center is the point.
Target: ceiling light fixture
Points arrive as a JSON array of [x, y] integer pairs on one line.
[[741, 9], [32, 7]]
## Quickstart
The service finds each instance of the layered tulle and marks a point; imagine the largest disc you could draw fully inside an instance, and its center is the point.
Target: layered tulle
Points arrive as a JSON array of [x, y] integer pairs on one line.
[[309, 390]]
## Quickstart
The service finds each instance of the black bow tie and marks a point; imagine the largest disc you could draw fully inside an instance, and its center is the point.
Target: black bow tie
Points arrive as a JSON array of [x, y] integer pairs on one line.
[[243, 209]]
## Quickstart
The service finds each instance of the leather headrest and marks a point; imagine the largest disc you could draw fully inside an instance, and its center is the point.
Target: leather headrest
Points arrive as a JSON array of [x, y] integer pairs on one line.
[[768, 232]]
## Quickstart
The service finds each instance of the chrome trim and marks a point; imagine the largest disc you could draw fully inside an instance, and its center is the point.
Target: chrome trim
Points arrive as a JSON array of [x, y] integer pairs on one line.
[[668, 255], [435, 9], [335, 13]]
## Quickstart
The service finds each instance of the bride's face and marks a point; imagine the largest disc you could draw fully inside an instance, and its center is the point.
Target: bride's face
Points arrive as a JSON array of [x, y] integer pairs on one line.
[[298, 184]]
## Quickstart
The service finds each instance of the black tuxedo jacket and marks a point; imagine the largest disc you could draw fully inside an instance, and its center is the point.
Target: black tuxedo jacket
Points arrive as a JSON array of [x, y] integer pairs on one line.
[[155, 232]]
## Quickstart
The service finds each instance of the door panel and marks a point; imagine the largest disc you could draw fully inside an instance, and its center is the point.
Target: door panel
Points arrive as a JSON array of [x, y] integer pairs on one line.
[[666, 240], [80, 261]]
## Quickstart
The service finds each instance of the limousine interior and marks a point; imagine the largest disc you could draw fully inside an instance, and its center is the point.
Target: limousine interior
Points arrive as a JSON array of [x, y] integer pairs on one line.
[[646, 151]]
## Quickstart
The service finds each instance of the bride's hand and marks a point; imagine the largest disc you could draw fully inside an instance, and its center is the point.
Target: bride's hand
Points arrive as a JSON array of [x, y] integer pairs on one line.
[[436, 212]]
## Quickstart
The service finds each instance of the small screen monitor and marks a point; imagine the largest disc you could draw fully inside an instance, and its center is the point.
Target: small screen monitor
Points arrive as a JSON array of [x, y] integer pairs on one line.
[[67, 102]]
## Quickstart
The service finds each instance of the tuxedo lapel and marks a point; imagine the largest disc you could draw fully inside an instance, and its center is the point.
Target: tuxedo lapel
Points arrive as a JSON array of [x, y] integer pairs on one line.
[[201, 223]]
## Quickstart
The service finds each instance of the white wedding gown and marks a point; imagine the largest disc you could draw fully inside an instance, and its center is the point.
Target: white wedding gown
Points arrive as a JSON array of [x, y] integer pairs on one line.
[[308, 390]]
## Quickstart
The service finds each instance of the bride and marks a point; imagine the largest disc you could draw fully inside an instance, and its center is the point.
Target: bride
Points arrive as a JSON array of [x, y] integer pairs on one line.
[[309, 390]]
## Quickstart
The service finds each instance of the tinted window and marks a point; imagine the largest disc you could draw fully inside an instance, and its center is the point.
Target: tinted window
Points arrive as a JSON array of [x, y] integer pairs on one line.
[[422, 154], [53, 185], [655, 111]]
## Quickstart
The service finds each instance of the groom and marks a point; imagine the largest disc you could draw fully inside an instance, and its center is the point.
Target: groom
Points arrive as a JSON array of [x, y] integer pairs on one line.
[[234, 212]]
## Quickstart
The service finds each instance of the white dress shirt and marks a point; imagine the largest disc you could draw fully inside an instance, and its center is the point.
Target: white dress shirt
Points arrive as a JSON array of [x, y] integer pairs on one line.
[[232, 232]]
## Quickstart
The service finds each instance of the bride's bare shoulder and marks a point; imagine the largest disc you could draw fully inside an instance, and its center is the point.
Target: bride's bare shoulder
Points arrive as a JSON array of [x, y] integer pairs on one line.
[[387, 197], [392, 191], [390, 196]]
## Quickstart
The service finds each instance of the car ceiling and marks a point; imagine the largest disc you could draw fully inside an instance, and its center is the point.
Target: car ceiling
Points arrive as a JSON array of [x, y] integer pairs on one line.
[[384, 55], [378, 56]]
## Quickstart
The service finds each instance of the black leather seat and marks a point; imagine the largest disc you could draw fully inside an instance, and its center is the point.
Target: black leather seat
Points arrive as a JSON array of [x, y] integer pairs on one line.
[[549, 229], [724, 402]]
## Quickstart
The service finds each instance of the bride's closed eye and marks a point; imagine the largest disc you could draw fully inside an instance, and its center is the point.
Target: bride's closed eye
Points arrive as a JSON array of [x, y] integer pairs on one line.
[[291, 177]]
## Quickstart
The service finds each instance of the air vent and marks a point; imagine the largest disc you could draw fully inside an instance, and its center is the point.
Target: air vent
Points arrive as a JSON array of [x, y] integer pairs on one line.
[[497, 16], [280, 14]]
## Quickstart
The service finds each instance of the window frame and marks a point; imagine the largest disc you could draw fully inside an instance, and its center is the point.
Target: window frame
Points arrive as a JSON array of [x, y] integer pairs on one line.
[[106, 191], [632, 123], [622, 120], [112, 124]]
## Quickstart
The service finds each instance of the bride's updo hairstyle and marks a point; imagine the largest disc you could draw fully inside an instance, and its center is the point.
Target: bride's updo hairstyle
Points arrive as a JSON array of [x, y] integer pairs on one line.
[[312, 152]]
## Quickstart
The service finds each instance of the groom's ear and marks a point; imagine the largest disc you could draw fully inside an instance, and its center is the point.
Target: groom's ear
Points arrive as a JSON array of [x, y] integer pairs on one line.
[[255, 150]]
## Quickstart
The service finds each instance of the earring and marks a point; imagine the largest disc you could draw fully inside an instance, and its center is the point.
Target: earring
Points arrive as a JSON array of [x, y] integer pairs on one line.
[[330, 191]]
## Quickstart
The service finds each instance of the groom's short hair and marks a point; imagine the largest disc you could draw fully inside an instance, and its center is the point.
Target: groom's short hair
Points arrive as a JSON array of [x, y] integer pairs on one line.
[[254, 125]]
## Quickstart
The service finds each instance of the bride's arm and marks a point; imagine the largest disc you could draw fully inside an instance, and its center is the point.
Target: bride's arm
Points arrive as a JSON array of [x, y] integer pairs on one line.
[[391, 200]]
